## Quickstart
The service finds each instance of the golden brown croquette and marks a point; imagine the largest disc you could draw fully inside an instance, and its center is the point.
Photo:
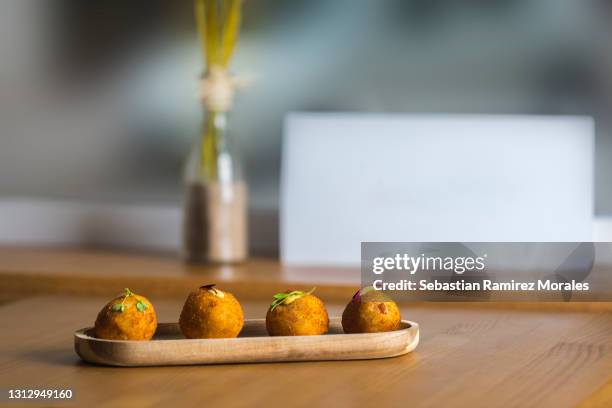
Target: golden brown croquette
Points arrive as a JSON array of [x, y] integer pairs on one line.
[[370, 311], [210, 313], [296, 313], [127, 317]]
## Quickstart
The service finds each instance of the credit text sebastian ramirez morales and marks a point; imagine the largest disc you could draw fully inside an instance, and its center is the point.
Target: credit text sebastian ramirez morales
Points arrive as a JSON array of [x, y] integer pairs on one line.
[[484, 285]]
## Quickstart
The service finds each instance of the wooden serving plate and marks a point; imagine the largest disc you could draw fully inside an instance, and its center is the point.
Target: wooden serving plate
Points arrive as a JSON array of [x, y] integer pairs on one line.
[[169, 347]]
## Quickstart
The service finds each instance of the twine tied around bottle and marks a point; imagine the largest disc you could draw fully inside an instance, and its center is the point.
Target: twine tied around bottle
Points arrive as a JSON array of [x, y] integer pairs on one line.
[[218, 86]]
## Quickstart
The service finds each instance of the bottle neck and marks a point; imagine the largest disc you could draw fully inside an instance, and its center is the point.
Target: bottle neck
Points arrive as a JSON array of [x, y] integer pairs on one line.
[[215, 126], [218, 161]]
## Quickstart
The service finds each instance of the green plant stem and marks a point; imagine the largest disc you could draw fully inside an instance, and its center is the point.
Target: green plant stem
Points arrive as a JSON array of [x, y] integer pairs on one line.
[[218, 23], [209, 147]]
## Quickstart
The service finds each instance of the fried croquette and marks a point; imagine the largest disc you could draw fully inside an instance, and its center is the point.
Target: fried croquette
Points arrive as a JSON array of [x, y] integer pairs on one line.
[[370, 311], [127, 317], [296, 313], [210, 313]]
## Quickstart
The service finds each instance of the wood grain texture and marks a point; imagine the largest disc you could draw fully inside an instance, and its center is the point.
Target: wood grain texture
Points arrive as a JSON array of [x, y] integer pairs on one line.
[[77, 271], [169, 346], [466, 357]]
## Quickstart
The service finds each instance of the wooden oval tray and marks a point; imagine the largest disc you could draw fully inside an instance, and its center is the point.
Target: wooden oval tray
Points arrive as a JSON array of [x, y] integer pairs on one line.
[[169, 347]]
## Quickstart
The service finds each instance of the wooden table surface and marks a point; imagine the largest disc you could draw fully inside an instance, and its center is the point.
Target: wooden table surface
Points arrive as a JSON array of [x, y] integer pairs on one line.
[[27, 271], [469, 355]]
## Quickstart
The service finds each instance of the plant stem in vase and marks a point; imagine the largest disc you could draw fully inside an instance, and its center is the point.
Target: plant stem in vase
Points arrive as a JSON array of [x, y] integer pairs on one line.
[[215, 212]]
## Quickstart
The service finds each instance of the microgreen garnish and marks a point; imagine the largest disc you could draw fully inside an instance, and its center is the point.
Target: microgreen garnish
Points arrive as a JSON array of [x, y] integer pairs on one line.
[[357, 296], [141, 306], [120, 307], [286, 298]]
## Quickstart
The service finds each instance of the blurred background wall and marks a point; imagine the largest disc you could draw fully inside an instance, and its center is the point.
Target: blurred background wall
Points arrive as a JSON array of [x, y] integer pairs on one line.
[[97, 98]]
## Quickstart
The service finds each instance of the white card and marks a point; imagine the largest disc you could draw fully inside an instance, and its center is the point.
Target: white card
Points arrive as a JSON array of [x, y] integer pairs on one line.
[[348, 178]]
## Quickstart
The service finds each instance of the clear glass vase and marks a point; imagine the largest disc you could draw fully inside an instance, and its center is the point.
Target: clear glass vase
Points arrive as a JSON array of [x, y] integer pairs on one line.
[[216, 198]]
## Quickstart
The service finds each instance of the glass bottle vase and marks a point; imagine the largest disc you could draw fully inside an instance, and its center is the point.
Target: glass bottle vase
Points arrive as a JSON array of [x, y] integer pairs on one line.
[[216, 197]]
